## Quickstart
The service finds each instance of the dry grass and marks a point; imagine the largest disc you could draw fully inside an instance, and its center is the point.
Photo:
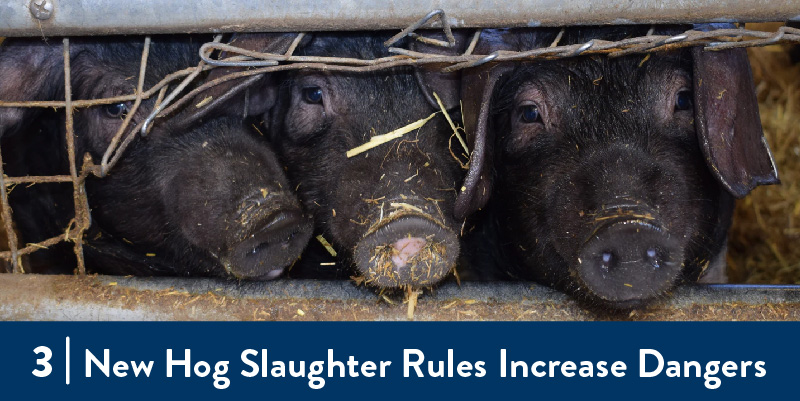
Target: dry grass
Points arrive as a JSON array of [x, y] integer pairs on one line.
[[326, 245], [378, 140], [764, 244]]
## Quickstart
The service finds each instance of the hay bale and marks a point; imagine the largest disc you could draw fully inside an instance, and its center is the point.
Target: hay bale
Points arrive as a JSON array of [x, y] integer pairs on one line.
[[765, 236]]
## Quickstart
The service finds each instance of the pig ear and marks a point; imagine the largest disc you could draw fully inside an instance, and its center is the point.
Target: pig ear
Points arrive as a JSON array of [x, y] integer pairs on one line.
[[477, 88], [728, 123], [429, 76], [247, 96], [29, 70]]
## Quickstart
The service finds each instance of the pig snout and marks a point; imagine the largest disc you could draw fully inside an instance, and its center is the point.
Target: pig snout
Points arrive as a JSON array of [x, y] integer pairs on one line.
[[272, 231], [628, 257], [406, 250], [226, 192], [630, 247]]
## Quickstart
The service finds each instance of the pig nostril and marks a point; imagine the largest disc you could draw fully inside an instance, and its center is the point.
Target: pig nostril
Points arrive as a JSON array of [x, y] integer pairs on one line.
[[288, 240], [608, 259], [260, 247], [652, 257]]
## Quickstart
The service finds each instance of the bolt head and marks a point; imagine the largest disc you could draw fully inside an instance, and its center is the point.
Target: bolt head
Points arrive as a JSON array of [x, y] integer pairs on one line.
[[41, 9]]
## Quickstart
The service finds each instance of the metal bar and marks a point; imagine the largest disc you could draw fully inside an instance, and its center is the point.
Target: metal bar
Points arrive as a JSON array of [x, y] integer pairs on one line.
[[104, 17], [36, 297]]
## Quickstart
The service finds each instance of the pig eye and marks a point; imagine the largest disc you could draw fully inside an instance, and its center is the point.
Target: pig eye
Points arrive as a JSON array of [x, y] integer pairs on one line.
[[530, 114], [118, 110], [312, 94], [683, 100]]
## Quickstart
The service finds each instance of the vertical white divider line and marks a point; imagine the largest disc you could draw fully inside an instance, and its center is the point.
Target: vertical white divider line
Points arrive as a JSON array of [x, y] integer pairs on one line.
[[67, 361]]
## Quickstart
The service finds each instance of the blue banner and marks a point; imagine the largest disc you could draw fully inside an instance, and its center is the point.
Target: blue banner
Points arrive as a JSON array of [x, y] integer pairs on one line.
[[400, 360]]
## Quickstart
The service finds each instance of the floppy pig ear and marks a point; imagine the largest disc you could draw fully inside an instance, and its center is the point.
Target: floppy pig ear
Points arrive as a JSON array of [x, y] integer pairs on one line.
[[242, 96], [477, 88], [30, 69], [429, 76], [728, 123]]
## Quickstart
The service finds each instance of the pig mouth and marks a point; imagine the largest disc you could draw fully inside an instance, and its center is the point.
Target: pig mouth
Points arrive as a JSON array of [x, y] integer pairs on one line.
[[627, 260], [406, 249]]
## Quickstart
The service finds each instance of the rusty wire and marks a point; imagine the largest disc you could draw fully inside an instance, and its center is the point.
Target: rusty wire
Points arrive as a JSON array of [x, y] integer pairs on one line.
[[714, 40], [270, 62], [186, 81], [138, 101], [431, 17], [79, 198], [13, 253]]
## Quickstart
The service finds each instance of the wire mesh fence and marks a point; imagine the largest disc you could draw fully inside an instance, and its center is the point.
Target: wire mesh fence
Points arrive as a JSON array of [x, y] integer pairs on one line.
[[248, 66]]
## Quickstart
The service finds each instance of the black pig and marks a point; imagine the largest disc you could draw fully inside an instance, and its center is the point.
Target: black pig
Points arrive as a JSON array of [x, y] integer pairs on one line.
[[612, 178], [207, 200], [388, 210]]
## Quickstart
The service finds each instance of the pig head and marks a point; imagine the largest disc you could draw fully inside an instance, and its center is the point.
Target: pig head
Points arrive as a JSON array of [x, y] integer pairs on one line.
[[612, 178], [210, 199], [388, 210]]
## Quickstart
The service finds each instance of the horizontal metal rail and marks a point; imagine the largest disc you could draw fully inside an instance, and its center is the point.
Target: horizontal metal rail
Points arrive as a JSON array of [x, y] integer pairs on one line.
[[105, 17], [35, 297]]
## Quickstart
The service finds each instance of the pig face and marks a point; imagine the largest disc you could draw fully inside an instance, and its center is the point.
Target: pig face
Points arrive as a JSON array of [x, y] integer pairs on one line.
[[204, 200], [607, 177], [390, 208], [215, 196], [602, 187]]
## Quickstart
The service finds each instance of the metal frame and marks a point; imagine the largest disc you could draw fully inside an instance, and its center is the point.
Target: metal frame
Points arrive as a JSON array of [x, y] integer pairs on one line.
[[32, 297], [106, 17], [112, 298]]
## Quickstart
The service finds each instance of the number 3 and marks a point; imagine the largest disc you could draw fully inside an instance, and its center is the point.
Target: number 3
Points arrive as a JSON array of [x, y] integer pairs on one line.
[[46, 368]]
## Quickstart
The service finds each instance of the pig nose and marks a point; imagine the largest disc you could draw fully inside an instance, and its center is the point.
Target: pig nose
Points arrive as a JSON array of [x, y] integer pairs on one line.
[[629, 260], [272, 243], [408, 251]]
